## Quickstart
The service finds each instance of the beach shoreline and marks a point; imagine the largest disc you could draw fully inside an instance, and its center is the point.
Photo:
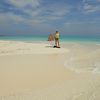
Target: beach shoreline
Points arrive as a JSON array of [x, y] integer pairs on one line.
[[39, 72]]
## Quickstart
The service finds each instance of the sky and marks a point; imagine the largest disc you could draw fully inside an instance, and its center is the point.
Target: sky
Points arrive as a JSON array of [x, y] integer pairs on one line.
[[70, 17]]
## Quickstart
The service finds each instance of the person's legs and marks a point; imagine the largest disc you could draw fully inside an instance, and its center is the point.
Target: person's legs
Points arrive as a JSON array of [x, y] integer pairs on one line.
[[55, 42], [58, 43]]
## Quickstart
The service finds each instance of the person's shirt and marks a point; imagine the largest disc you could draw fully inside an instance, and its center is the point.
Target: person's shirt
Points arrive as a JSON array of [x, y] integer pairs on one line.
[[57, 35]]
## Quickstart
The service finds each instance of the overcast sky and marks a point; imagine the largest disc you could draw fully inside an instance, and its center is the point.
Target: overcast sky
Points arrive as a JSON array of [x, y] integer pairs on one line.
[[72, 17]]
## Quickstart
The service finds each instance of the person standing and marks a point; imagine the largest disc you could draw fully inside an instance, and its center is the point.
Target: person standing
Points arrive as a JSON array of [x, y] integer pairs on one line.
[[57, 36], [50, 39]]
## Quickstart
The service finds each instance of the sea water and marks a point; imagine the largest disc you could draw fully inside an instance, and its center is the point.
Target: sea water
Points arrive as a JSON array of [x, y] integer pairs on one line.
[[63, 38], [84, 55]]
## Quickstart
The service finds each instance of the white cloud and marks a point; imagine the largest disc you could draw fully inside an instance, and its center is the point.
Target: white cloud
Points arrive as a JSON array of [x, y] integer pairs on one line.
[[10, 19], [90, 8], [32, 13], [60, 10], [12, 23], [34, 9], [55, 12], [33, 18], [29, 7], [23, 3]]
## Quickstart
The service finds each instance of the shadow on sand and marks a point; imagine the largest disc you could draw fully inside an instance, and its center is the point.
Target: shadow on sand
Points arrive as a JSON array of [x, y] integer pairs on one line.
[[49, 46]]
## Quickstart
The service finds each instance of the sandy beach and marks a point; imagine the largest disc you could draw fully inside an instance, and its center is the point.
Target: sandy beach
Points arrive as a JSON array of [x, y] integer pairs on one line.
[[36, 71]]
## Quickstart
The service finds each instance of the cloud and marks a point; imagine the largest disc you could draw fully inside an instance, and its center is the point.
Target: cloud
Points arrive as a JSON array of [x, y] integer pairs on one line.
[[18, 15], [45, 15], [55, 12], [58, 10], [24, 3], [28, 7], [50, 13], [34, 10], [90, 6], [8, 19], [11, 23]]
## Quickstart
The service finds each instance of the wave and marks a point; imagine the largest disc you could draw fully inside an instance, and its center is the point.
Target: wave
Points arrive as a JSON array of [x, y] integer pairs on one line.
[[83, 58]]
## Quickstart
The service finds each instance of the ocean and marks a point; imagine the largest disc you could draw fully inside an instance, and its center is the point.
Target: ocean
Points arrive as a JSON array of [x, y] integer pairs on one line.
[[63, 38], [84, 55]]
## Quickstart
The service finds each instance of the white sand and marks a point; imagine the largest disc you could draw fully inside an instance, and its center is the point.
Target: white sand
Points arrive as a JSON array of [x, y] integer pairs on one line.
[[33, 71], [15, 47]]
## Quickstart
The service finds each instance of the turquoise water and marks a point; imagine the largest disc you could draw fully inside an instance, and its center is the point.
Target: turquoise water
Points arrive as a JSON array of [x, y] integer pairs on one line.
[[24, 38], [63, 38]]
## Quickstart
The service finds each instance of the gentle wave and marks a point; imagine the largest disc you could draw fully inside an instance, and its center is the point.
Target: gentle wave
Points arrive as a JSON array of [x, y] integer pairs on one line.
[[83, 58]]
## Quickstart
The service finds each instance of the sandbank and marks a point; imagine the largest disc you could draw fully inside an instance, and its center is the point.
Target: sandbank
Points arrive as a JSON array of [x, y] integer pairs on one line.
[[36, 71]]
